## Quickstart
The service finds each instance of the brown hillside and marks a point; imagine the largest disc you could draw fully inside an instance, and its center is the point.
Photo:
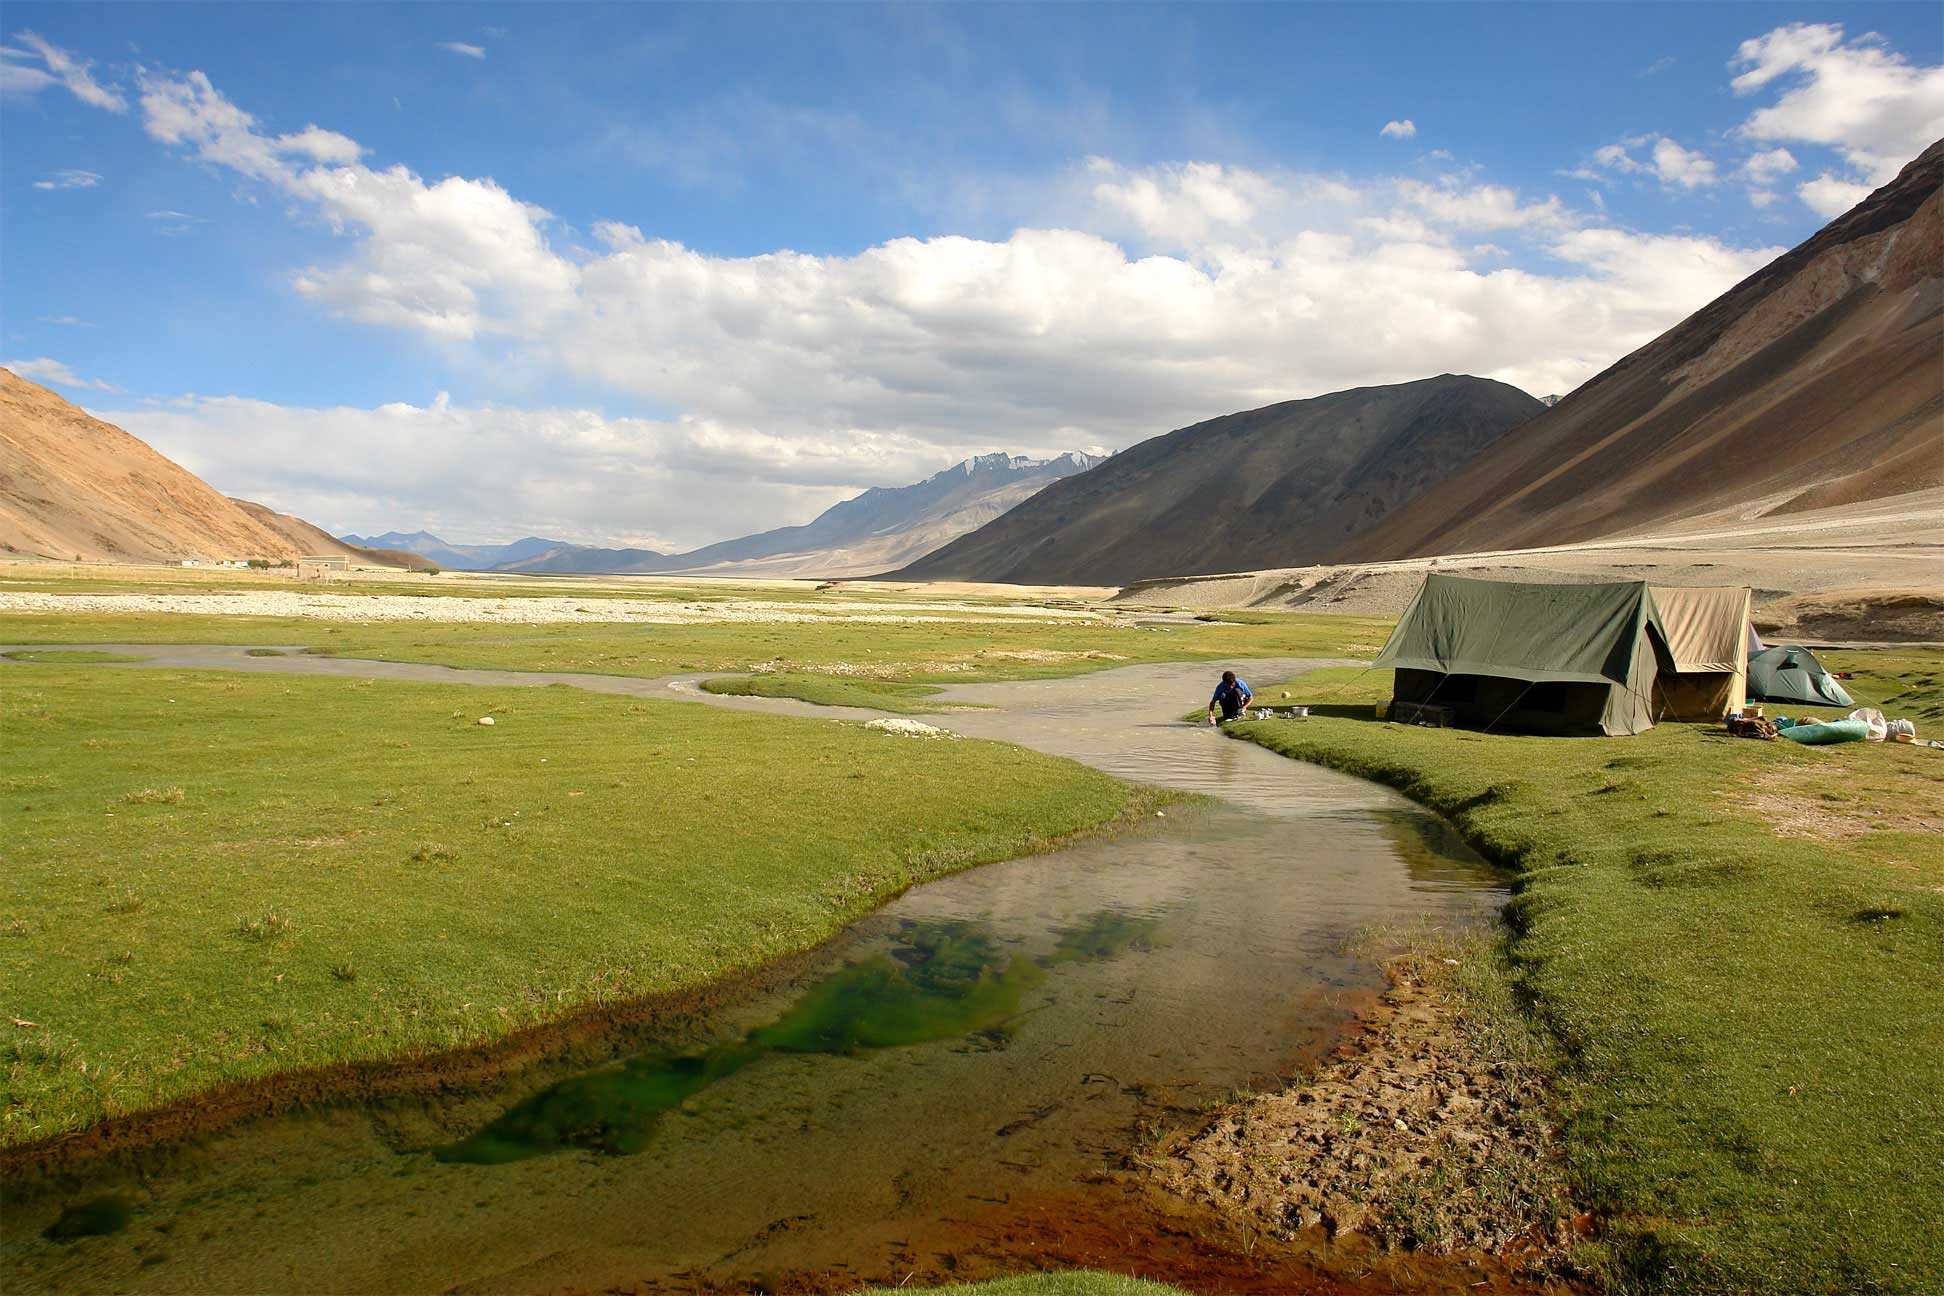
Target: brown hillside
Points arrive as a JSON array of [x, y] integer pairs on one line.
[[1816, 382], [1271, 487], [311, 540], [73, 486]]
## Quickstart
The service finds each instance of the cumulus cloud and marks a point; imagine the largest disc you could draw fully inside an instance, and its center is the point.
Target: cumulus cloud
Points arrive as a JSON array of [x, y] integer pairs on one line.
[[190, 112], [1859, 97], [1404, 129], [1664, 159], [70, 180], [57, 67], [1830, 196], [485, 473], [1769, 166], [1684, 167], [460, 47], [45, 370], [1166, 294]]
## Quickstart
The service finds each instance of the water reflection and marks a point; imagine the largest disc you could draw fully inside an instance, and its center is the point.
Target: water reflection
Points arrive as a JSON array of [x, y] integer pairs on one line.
[[938, 980]]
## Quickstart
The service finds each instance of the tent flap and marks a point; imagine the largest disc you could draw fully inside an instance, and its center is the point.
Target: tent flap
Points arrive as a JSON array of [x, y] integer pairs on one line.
[[1707, 628]]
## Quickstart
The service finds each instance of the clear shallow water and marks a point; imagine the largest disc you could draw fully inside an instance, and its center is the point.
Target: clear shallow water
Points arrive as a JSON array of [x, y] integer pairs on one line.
[[985, 1044]]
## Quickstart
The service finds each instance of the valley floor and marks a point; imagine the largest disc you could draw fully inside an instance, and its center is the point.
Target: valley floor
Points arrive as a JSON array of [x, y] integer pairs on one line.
[[1726, 952]]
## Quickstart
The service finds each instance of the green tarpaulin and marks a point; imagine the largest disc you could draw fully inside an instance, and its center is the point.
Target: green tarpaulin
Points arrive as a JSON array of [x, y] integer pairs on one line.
[[1793, 675], [1514, 656]]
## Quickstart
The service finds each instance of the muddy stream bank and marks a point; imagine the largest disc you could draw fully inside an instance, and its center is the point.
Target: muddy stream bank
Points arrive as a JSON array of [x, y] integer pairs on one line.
[[960, 1085]]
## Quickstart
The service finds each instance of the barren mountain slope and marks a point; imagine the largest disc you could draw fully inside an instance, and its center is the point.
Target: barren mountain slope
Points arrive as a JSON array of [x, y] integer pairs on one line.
[[1818, 381], [72, 485], [1273, 487], [310, 540]]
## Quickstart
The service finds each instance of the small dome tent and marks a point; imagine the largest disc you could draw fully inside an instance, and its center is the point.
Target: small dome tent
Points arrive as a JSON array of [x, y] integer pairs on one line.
[[1793, 675], [1531, 658]]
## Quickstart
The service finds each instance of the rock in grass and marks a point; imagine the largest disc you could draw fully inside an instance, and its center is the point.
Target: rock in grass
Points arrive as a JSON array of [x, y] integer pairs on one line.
[[908, 728], [486, 720]]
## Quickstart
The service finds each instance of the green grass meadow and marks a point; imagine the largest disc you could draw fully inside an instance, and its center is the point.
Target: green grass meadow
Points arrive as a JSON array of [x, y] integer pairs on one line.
[[1737, 949], [928, 652], [213, 877]]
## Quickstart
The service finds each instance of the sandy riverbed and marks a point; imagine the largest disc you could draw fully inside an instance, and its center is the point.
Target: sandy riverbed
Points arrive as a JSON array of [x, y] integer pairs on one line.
[[542, 611]]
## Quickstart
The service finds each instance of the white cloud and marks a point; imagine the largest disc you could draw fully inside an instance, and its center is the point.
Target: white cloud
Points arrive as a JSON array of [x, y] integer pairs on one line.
[[70, 180], [1761, 199], [190, 112], [1830, 196], [1769, 166], [61, 67], [1183, 204], [1858, 97], [460, 47], [68, 321], [45, 370], [491, 473], [1483, 206], [1404, 129], [172, 223], [18, 81], [1666, 160], [799, 376], [1684, 167]]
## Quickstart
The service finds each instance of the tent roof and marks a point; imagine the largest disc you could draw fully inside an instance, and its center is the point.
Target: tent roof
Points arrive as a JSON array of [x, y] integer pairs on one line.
[[1706, 626], [1573, 633]]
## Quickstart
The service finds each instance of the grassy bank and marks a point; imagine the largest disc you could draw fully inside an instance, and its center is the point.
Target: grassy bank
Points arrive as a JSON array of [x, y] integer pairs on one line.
[[926, 652], [1738, 948], [213, 878]]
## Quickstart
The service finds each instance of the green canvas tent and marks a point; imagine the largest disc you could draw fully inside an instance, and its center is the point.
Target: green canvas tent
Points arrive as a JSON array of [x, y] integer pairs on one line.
[[1511, 656], [1793, 675]]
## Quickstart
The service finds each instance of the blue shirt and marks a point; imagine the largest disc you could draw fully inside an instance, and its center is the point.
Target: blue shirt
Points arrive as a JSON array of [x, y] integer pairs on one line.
[[1240, 686]]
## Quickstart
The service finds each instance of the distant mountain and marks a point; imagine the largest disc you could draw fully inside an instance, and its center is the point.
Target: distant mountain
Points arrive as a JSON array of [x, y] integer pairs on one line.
[[1815, 383], [72, 486], [881, 528], [1274, 487], [457, 557], [569, 559]]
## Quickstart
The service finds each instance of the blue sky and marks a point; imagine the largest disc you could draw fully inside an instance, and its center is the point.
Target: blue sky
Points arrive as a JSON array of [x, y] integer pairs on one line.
[[663, 274]]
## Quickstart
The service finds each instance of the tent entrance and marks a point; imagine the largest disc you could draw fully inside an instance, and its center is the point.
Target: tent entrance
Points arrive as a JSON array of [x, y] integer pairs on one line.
[[1498, 702]]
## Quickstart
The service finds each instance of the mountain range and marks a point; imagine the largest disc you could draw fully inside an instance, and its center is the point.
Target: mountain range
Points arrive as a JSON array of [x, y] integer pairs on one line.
[[455, 557], [1243, 490], [880, 528], [1815, 382]]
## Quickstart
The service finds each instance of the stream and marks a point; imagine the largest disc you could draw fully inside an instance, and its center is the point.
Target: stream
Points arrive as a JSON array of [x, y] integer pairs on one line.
[[954, 1086]]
